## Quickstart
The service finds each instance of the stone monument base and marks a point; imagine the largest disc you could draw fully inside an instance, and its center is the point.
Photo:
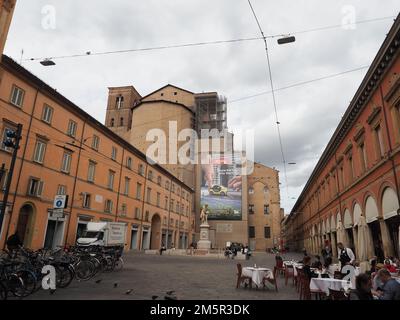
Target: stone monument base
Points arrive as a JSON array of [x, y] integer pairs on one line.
[[204, 243]]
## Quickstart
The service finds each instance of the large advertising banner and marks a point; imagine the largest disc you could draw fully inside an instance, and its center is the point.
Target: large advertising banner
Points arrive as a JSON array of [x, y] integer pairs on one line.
[[221, 186]]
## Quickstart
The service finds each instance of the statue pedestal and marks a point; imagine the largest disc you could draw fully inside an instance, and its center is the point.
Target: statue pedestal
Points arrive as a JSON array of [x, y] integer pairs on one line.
[[204, 243]]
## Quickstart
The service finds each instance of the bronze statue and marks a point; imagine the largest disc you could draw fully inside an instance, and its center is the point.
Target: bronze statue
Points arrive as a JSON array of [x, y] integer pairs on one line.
[[204, 214]]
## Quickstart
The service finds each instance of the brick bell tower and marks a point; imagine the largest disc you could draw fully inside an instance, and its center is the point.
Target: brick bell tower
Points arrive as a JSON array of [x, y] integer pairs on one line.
[[6, 13], [119, 109]]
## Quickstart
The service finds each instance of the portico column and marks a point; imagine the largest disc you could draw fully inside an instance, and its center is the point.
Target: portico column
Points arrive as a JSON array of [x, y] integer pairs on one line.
[[334, 245], [355, 237], [387, 243]]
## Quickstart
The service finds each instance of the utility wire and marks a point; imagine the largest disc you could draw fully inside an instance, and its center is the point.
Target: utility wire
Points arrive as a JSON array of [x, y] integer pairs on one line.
[[297, 84], [89, 53], [273, 94]]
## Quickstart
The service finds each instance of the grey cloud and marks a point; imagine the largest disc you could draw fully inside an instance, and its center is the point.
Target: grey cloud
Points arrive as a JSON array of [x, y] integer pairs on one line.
[[309, 114]]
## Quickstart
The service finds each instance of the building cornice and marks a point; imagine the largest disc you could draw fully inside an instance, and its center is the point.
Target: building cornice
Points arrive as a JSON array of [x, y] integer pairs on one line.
[[387, 53]]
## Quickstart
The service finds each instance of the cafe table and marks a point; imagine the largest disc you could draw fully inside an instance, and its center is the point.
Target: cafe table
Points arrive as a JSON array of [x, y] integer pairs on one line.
[[324, 284], [257, 274]]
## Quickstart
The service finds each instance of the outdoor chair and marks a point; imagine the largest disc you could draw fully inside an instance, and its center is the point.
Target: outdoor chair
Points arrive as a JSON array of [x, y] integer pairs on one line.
[[279, 265], [272, 281], [289, 273], [241, 278]]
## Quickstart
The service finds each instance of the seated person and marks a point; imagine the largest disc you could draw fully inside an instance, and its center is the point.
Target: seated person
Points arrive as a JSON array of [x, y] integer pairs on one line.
[[389, 266], [317, 263], [373, 266], [363, 288], [307, 269], [390, 288], [329, 266]]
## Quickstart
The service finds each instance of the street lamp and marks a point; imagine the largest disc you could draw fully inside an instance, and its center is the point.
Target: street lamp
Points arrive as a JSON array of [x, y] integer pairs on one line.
[[47, 62], [286, 39]]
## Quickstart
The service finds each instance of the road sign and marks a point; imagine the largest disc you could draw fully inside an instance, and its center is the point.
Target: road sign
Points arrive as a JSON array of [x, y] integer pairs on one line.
[[60, 202], [57, 213]]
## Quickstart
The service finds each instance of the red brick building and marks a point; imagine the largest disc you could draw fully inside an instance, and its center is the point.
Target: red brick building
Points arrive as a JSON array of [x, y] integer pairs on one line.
[[359, 171]]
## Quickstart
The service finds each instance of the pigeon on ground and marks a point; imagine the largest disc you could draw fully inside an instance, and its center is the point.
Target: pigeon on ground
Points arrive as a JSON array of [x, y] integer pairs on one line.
[[98, 281], [154, 297], [129, 291], [169, 298], [170, 292], [115, 284]]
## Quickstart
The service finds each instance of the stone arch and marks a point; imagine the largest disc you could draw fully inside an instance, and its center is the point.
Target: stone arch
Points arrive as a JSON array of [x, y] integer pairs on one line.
[[155, 238], [26, 222]]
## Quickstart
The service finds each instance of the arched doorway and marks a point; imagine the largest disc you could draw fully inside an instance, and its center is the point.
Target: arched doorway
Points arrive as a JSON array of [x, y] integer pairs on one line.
[[25, 223], [155, 239]]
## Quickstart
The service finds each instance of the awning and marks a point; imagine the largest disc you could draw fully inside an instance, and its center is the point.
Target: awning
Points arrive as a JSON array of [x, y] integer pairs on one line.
[[357, 214], [347, 222], [390, 203], [371, 210]]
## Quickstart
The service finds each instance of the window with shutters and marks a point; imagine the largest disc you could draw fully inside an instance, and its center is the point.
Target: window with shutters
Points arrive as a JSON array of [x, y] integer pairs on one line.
[[86, 200], [40, 150], [252, 232], [35, 187], [47, 113], [66, 162], [267, 232], [91, 171], [17, 96], [95, 142], [71, 131]]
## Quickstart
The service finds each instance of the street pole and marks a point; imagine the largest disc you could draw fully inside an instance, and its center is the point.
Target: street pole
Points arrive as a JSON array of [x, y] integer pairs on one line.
[[15, 146]]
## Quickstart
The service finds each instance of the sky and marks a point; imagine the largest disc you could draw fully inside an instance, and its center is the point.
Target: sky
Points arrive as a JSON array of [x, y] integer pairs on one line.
[[308, 114]]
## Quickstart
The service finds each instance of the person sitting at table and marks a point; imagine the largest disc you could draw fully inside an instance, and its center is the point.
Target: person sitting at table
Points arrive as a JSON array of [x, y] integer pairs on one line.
[[363, 288], [317, 263], [307, 268], [390, 289], [373, 266], [345, 255], [329, 266], [389, 266]]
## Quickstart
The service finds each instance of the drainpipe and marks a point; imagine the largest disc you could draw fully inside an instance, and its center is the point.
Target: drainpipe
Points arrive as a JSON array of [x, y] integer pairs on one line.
[[119, 184], [142, 213], [75, 181]]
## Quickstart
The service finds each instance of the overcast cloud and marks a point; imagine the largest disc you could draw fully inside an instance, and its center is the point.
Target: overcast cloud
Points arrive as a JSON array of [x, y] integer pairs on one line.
[[308, 114]]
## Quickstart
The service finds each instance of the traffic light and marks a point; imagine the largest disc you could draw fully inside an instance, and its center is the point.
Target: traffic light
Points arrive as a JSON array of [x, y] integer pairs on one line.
[[10, 139]]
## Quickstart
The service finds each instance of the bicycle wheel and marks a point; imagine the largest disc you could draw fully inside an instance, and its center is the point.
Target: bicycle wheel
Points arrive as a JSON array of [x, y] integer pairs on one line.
[[15, 285], [85, 270], [29, 280], [64, 275], [119, 264]]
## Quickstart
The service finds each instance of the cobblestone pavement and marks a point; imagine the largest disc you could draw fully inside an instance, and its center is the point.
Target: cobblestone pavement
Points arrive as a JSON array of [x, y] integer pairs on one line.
[[190, 278]]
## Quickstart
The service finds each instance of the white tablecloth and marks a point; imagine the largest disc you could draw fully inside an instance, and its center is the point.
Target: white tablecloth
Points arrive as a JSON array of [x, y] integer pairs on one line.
[[257, 274], [324, 284], [295, 265]]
